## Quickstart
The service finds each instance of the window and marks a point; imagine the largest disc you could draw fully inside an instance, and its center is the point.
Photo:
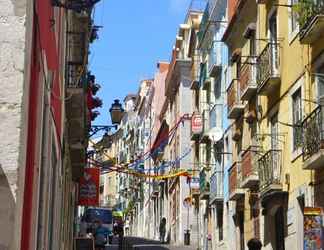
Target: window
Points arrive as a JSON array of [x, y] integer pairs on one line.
[[297, 117], [320, 82], [293, 19]]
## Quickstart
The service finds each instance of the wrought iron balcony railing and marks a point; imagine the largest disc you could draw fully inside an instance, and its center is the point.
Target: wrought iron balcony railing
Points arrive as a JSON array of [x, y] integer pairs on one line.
[[310, 16], [216, 186], [312, 133], [204, 184], [249, 168], [248, 79], [235, 178], [270, 170], [203, 24], [195, 72], [214, 59], [268, 67], [234, 104], [206, 121]]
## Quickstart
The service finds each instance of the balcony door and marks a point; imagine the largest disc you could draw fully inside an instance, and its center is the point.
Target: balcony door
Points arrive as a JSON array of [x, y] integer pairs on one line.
[[275, 171], [273, 37]]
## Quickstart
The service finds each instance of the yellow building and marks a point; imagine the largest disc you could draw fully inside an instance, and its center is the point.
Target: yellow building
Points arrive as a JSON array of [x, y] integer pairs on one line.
[[240, 37], [275, 98]]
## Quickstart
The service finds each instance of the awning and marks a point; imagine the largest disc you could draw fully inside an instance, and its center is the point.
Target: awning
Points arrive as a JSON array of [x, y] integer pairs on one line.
[[161, 140]]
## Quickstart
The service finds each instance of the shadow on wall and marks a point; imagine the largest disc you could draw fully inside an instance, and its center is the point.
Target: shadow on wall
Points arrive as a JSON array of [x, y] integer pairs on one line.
[[7, 209]]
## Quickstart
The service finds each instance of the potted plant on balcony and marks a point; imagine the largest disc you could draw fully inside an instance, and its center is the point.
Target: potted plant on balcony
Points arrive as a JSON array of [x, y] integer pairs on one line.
[[305, 9]]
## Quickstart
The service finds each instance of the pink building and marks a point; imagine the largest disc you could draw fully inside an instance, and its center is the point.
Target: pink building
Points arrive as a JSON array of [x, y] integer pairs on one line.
[[159, 96]]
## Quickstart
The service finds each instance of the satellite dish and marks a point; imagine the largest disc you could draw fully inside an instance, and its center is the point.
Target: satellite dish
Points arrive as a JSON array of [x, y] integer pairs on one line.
[[215, 134]]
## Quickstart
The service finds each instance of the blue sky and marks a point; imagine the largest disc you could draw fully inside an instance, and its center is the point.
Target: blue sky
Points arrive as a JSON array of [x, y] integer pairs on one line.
[[134, 37]]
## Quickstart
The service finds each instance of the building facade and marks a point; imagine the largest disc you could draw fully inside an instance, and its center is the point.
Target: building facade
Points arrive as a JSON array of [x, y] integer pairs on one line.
[[43, 157]]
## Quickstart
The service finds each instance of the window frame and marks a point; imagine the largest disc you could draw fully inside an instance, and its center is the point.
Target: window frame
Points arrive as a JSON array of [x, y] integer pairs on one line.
[[296, 152], [292, 33]]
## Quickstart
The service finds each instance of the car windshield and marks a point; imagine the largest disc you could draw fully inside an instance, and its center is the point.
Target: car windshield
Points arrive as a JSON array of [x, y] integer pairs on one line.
[[93, 214]]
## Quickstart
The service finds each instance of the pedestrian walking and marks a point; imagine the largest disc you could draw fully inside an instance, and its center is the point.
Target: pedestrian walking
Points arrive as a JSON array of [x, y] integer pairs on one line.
[[162, 229], [101, 235]]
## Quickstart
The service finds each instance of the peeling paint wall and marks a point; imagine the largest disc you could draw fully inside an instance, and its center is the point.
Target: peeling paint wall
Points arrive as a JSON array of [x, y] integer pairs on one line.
[[12, 62]]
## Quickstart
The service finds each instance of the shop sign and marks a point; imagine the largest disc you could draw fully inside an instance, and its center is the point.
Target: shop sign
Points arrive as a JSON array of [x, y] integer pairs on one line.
[[196, 123], [89, 187]]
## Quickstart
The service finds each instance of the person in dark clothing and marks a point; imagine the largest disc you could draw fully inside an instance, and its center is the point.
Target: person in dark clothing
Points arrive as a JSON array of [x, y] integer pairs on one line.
[[162, 229], [119, 230], [254, 244]]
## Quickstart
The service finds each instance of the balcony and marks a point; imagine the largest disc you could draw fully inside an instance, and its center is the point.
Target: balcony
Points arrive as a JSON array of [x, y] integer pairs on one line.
[[195, 72], [204, 78], [268, 69], [250, 177], [206, 126], [204, 185], [203, 25], [216, 187], [214, 60], [234, 105], [155, 189], [313, 140], [76, 82], [235, 192], [270, 171], [311, 21], [248, 86]]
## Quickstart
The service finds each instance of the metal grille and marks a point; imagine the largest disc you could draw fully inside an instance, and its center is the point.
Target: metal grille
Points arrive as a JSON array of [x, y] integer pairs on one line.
[[268, 63], [312, 129], [270, 168]]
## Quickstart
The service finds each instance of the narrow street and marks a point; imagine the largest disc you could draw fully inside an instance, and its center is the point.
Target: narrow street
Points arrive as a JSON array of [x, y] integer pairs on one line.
[[176, 124], [144, 244]]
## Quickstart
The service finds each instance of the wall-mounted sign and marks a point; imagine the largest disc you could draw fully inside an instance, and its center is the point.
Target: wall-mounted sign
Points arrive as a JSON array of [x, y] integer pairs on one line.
[[89, 187], [313, 230], [196, 123]]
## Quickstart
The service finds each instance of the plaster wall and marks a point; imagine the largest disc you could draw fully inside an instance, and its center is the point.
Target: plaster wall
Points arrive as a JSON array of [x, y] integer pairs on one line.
[[13, 106]]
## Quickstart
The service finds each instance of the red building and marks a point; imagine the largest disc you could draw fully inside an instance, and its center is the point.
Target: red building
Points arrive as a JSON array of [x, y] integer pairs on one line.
[[49, 128]]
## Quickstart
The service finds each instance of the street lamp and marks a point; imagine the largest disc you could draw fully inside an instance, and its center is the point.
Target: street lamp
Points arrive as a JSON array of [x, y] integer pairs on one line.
[[116, 112]]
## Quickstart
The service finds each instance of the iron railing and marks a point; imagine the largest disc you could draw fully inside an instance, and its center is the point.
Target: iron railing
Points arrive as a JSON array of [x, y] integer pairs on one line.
[[214, 58], [268, 63], [206, 121], [307, 11], [204, 185], [247, 166], [247, 75], [234, 177], [75, 75], [233, 94], [203, 24], [216, 185], [195, 68], [203, 74], [270, 168], [312, 133]]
